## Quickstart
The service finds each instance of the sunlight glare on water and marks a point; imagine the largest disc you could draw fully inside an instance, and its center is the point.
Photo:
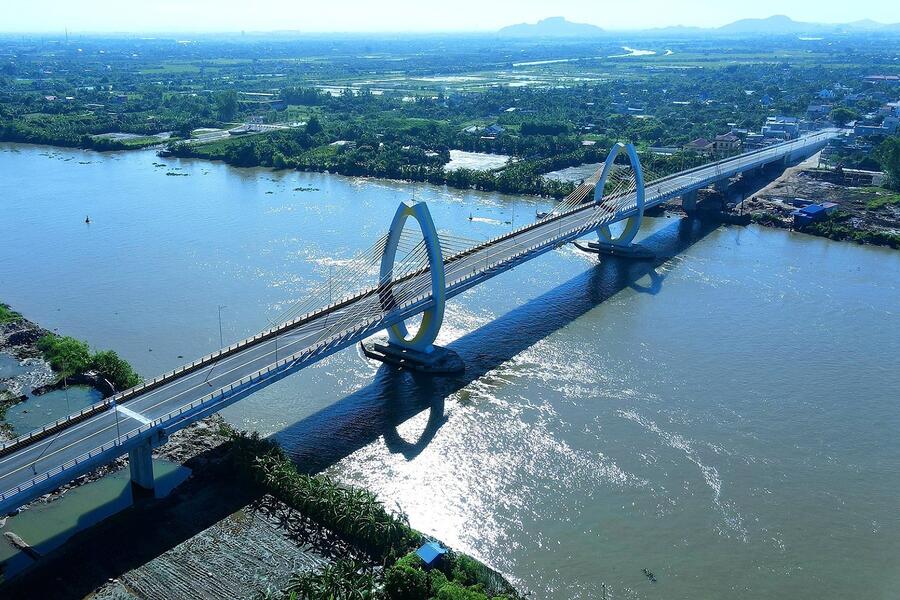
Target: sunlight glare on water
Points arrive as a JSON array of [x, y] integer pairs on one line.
[[724, 417]]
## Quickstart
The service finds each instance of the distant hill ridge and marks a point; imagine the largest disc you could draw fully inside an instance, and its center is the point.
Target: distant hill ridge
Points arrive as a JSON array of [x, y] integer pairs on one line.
[[551, 27], [781, 24], [774, 25]]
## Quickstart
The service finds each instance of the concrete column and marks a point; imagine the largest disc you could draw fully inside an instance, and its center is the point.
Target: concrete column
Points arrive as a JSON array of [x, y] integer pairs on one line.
[[721, 185], [140, 461], [689, 202]]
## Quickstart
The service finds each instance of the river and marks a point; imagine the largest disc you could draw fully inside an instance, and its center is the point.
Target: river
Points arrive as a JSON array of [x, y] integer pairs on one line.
[[726, 418]]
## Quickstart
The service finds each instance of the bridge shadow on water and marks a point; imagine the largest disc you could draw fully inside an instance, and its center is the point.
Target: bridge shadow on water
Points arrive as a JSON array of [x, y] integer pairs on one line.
[[107, 550], [395, 396]]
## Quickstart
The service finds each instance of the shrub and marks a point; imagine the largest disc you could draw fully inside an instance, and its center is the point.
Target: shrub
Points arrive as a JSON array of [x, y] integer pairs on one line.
[[457, 591], [342, 580], [436, 580], [465, 570], [65, 354], [69, 356], [354, 514], [111, 366], [402, 582]]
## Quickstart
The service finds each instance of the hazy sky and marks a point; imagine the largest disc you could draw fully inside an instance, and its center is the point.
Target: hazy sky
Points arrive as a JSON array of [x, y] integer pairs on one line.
[[410, 15]]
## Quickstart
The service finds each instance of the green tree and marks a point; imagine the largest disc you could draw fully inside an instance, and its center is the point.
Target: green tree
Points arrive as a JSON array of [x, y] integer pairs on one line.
[[227, 105], [116, 370], [313, 126], [843, 115], [66, 355], [342, 580], [403, 582], [184, 130], [888, 156]]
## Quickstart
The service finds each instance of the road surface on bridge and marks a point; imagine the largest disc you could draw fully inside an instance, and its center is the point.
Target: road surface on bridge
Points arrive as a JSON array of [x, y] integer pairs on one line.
[[340, 325]]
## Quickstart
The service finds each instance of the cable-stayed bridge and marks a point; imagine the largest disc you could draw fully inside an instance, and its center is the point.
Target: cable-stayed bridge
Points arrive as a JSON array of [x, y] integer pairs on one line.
[[405, 273]]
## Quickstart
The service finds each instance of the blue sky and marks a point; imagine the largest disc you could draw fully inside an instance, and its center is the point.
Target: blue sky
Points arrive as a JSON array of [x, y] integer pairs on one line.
[[411, 15]]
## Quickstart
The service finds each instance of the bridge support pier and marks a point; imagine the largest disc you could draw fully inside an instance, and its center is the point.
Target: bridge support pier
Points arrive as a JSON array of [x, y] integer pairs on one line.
[[415, 352], [689, 202], [440, 361], [140, 461], [634, 251]]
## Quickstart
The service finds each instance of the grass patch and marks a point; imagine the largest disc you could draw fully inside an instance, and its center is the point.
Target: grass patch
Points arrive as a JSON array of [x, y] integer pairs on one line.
[[8, 315], [882, 198]]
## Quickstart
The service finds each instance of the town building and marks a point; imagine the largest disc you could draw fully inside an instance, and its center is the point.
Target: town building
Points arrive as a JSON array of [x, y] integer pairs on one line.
[[726, 143], [700, 145], [780, 127]]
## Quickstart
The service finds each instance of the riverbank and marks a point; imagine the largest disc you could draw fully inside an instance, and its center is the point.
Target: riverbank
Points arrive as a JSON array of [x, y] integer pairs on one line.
[[248, 523], [865, 214], [244, 513], [47, 362], [18, 340]]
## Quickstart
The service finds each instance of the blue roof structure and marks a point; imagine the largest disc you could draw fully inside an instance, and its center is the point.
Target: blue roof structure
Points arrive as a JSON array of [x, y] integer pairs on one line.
[[813, 209], [431, 553]]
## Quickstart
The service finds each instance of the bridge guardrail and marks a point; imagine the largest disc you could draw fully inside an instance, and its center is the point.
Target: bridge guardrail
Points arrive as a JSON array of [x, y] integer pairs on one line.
[[214, 357], [161, 380], [160, 421], [304, 354]]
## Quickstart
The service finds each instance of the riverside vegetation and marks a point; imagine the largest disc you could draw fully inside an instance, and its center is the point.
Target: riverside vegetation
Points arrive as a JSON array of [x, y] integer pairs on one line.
[[396, 108], [70, 359], [393, 571], [69, 356], [8, 315]]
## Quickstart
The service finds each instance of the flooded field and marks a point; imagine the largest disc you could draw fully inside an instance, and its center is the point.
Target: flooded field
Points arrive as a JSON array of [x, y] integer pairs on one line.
[[476, 161]]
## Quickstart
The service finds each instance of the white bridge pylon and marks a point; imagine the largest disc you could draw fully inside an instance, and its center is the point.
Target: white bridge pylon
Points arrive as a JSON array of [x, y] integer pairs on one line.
[[423, 340], [633, 223]]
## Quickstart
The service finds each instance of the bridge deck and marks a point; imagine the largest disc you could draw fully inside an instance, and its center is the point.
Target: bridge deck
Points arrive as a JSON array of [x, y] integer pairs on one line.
[[38, 463]]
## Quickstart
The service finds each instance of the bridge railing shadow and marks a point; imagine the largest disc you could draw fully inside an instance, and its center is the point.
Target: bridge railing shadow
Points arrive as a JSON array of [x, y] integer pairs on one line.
[[394, 396]]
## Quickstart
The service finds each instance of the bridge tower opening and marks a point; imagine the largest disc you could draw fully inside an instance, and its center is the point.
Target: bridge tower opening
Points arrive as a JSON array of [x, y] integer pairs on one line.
[[620, 244], [415, 351]]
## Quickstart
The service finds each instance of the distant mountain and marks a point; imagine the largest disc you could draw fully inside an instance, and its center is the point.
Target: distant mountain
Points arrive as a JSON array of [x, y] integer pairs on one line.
[[776, 24], [559, 27], [866, 24], [551, 27], [782, 25]]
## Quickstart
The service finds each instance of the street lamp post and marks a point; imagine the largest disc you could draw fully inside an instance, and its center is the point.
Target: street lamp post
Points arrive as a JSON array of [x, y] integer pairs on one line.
[[275, 326], [221, 342], [118, 433]]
